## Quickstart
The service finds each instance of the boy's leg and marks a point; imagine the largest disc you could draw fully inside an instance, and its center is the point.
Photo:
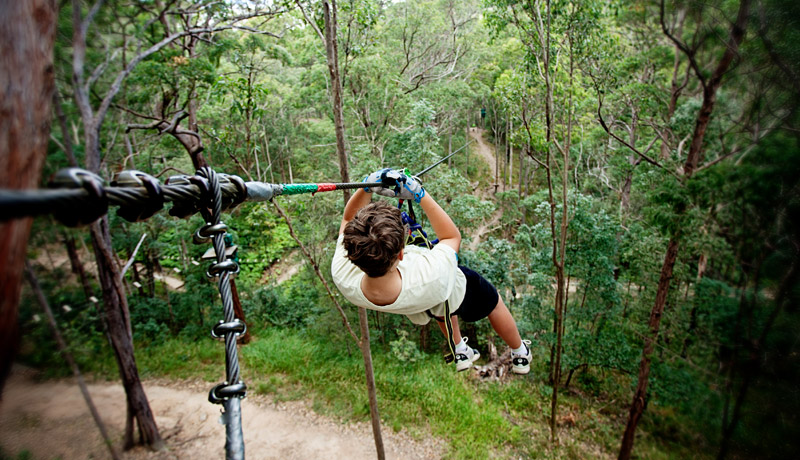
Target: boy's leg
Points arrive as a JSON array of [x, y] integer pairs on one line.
[[465, 355], [504, 324]]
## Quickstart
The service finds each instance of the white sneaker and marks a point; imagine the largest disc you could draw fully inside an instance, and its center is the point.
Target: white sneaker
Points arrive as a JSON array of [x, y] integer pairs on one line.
[[521, 363], [465, 359]]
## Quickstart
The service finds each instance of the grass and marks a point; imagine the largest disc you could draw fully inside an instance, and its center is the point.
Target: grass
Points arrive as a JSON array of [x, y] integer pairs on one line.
[[477, 420], [425, 398]]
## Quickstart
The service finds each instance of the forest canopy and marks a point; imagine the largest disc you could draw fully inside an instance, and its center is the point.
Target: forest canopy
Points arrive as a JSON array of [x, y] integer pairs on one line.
[[628, 181]]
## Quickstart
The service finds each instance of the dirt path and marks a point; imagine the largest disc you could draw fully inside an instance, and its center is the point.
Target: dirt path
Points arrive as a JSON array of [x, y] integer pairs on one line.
[[50, 420], [487, 153]]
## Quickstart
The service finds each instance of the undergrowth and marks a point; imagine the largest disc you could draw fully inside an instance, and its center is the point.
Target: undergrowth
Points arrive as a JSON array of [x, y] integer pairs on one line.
[[423, 397], [477, 420]]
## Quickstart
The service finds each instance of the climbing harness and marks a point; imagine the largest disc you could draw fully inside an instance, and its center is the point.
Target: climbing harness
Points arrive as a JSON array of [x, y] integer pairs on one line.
[[418, 237]]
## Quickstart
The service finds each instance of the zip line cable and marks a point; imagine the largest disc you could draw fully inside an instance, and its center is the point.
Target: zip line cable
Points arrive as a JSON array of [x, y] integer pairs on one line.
[[445, 158]]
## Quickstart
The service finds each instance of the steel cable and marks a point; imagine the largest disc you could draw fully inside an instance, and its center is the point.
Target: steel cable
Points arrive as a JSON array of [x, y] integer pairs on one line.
[[230, 392]]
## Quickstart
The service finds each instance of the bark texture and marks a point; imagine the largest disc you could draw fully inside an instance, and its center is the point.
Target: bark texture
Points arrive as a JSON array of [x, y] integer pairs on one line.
[[27, 34], [332, 53], [117, 318]]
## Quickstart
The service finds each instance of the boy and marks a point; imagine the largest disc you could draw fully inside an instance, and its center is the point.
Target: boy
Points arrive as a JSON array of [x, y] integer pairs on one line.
[[374, 269]]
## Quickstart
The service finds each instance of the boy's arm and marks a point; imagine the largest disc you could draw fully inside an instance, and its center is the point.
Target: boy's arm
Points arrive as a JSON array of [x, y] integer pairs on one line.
[[442, 224], [359, 199]]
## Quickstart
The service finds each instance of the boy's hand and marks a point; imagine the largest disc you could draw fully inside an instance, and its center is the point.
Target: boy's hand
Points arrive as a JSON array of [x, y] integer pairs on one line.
[[396, 184], [377, 176], [411, 189]]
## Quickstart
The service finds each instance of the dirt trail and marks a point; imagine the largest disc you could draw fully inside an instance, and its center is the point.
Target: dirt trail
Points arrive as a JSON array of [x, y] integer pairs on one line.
[[50, 419], [487, 153]]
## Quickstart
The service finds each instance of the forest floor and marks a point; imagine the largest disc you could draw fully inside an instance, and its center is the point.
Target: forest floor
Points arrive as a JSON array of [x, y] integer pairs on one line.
[[50, 420]]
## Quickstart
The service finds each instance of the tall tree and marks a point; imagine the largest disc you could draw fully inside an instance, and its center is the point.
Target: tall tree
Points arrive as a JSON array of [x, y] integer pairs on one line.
[[555, 35], [27, 35], [710, 84], [85, 91], [329, 40], [328, 36]]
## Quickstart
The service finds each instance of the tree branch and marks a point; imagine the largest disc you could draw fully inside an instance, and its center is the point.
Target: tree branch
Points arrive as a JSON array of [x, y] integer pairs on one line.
[[682, 46], [623, 142], [132, 257], [310, 22]]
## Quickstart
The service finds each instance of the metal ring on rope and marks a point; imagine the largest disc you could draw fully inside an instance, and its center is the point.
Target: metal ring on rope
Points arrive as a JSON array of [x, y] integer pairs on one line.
[[97, 204], [239, 197], [185, 208], [144, 209], [223, 392], [236, 326], [203, 234], [220, 267]]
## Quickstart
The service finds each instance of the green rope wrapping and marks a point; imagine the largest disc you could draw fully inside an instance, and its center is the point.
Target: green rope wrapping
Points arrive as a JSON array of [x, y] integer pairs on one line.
[[297, 189]]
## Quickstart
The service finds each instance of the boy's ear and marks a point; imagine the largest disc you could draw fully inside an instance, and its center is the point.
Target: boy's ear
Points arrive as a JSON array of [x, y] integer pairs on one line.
[[400, 256]]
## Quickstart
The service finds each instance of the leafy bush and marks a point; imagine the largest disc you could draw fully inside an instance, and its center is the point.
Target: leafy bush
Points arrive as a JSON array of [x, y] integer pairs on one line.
[[403, 349], [290, 304]]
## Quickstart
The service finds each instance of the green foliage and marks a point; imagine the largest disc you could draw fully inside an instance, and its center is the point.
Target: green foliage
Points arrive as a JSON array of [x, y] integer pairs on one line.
[[403, 349], [415, 74], [21, 455], [292, 305], [262, 237]]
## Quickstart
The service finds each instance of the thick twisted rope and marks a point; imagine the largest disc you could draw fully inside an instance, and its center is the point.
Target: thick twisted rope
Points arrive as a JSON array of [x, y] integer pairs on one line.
[[78, 197], [230, 392]]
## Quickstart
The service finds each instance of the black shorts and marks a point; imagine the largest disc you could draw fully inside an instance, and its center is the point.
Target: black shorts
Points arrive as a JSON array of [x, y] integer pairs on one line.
[[480, 299]]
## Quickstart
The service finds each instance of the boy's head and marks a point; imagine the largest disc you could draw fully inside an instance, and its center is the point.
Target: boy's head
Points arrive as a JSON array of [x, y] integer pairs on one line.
[[374, 238]]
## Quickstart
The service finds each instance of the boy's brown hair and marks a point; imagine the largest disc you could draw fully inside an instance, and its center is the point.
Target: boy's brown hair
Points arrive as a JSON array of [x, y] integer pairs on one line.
[[375, 237]]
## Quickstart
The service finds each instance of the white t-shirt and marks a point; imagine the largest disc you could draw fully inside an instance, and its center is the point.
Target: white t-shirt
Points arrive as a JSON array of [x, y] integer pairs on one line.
[[429, 277]]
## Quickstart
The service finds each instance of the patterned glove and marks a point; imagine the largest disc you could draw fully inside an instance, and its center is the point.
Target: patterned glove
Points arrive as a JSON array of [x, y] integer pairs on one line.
[[375, 177], [411, 188], [396, 184]]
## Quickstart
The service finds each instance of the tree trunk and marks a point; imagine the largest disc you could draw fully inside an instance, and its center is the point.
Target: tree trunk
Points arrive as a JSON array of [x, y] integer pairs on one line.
[[27, 33], [77, 265], [625, 194], [198, 160], [332, 54], [368, 370], [118, 322], [637, 407], [695, 155], [510, 153], [555, 371], [62, 347], [238, 311]]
